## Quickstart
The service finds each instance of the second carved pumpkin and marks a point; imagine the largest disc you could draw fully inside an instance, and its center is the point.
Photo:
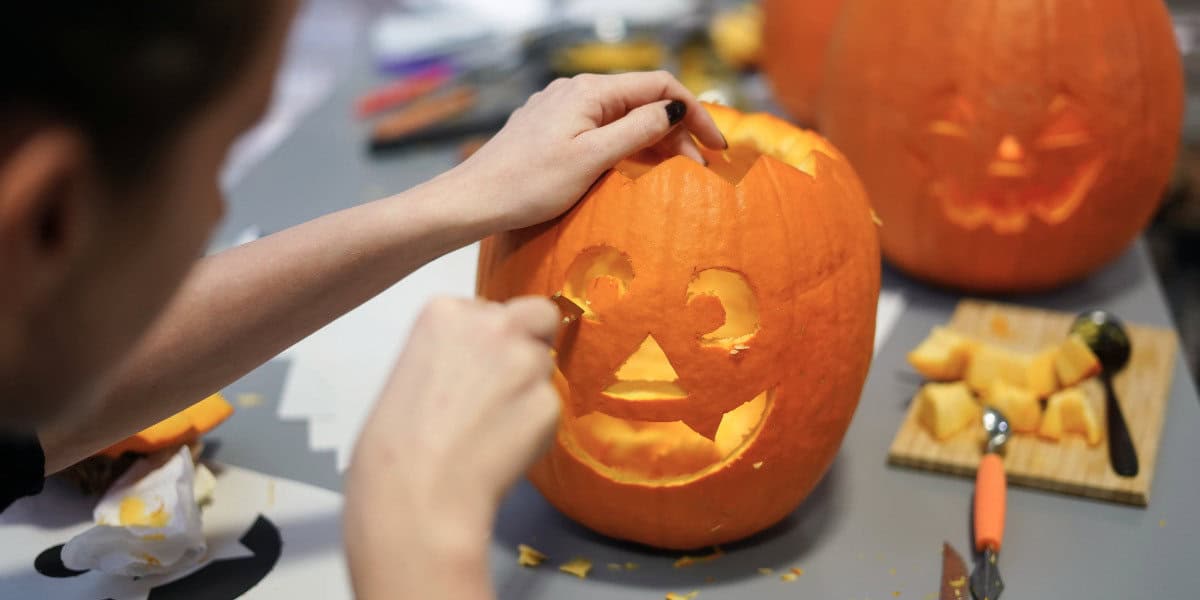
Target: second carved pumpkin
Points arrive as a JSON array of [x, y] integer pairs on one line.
[[795, 38], [1007, 145]]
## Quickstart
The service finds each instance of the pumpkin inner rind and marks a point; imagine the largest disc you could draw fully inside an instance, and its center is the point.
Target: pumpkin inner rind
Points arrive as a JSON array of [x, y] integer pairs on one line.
[[662, 453]]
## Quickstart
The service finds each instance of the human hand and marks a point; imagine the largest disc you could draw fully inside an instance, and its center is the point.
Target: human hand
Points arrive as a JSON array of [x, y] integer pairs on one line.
[[468, 407], [555, 146]]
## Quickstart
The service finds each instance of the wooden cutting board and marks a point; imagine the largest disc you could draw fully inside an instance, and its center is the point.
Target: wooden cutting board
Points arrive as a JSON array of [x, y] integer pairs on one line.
[[1069, 466]]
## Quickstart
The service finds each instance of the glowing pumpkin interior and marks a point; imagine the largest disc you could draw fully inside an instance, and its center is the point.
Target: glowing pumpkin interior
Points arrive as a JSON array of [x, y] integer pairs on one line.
[[675, 452]]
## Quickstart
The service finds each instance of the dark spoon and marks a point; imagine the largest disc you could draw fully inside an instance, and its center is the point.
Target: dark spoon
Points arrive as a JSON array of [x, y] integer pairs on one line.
[[1108, 340]]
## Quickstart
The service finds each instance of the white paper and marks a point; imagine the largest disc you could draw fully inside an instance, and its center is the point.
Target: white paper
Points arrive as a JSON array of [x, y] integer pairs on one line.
[[126, 539], [307, 520], [887, 314], [337, 373]]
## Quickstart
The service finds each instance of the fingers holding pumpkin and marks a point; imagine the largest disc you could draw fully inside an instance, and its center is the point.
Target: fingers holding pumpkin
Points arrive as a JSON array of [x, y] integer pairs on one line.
[[623, 94], [680, 142], [654, 125]]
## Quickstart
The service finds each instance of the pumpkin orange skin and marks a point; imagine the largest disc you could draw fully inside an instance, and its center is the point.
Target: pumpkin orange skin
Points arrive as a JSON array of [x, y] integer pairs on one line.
[[929, 102], [808, 247], [795, 38], [183, 427]]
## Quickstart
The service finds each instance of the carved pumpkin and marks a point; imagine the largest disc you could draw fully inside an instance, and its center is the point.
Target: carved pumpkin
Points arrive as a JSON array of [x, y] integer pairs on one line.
[[1007, 146], [795, 37], [728, 325]]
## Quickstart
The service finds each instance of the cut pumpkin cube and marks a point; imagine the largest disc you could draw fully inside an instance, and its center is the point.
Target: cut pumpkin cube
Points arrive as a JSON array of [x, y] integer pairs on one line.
[[1034, 372], [945, 409], [1075, 361], [1019, 405], [1069, 412], [942, 356]]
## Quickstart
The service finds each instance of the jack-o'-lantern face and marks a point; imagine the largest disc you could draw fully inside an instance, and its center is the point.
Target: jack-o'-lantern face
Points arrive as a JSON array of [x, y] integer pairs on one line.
[[726, 329], [679, 397], [1006, 146], [1016, 154]]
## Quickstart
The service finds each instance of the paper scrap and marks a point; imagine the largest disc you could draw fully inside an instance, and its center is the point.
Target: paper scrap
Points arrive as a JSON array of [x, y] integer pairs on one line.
[[887, 314], [148, 522]]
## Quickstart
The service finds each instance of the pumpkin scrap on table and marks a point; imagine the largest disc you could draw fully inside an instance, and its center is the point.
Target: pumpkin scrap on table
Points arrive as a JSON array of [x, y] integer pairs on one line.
[[96, 473], [687, 561], [578, 566], [688, 596], [728, 321], [180, 428], [527, 556]]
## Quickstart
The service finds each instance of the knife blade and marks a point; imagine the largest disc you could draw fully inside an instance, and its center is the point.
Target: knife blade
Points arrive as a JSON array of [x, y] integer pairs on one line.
[[954, 574], [570, 311]]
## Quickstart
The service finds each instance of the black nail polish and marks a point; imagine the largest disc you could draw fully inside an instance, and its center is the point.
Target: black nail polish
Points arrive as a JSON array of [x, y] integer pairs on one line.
[[676, 109]]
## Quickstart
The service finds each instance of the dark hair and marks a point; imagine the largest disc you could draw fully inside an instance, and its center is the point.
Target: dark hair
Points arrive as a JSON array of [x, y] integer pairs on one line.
[[127, 74]]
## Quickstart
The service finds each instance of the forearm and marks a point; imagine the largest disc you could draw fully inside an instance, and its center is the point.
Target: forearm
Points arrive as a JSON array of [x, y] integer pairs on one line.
[[243, 306]]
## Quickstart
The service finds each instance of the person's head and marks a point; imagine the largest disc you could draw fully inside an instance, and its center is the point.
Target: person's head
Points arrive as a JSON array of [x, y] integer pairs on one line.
[[115, 118]]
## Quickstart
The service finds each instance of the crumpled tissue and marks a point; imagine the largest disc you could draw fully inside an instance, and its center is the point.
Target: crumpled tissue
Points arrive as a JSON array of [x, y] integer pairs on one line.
[[147, 523]]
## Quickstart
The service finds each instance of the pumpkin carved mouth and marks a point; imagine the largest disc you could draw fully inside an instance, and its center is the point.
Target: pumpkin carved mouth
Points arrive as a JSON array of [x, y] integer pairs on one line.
[[663, 452], [1007, 202]]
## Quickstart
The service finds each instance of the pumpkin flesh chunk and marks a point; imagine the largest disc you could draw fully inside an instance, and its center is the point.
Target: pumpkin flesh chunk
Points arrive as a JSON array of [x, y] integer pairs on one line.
[[662, 452], [944, 409]]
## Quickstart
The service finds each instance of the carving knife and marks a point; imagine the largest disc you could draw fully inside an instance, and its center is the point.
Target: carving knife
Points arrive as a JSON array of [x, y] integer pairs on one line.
[[954, 575]]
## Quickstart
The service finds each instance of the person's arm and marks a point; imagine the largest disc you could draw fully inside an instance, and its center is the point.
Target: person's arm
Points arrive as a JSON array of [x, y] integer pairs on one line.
[[470, 404], [241, 307]]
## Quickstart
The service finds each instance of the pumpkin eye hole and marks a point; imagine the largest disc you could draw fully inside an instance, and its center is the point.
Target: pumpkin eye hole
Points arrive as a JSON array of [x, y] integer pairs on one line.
[[955, 119], [725, 305], [597, 279], [1067, 127]]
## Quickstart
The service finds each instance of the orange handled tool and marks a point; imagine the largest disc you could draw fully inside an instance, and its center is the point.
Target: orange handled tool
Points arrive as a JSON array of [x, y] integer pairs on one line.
[[989, 503], [990, 492]]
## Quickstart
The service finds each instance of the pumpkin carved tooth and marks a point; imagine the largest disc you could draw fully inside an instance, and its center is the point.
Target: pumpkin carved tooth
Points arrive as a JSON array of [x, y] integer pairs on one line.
[[706, 426], [684, 374]]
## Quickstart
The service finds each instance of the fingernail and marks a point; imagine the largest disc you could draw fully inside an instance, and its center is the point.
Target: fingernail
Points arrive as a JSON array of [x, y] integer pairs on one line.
[[724, 141], [676, 109]]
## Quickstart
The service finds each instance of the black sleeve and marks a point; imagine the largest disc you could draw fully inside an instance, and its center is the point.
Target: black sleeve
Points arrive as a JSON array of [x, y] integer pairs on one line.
[[24, 466]]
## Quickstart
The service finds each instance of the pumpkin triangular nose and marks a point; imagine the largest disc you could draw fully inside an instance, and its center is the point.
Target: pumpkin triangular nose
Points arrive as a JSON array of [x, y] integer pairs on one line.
[[1009, 161], [1010, 149], [647, 363]]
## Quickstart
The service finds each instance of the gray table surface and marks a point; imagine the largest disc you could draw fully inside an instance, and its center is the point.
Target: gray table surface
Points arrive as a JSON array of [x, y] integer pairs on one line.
[[868, 530]]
